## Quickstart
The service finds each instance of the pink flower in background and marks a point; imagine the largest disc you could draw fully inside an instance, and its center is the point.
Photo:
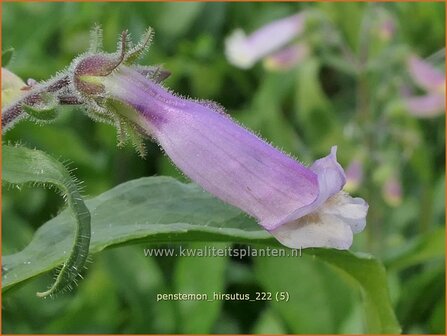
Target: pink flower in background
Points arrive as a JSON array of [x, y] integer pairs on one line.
[[432, 81], [244, 51], [384, 24], [387, 29], [354, 175], [392, 191], [286, 58]]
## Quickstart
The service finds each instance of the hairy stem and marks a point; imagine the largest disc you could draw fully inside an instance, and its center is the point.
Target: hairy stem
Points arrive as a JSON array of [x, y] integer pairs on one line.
[[73, 266], [14, 112], [33, 166]]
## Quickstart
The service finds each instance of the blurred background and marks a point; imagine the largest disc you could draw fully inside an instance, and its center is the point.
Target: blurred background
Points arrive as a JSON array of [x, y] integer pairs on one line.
[[351, 87]]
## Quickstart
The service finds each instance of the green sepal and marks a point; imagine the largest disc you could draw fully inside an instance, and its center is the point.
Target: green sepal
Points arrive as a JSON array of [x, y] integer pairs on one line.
[[143, 45], [126, 122]]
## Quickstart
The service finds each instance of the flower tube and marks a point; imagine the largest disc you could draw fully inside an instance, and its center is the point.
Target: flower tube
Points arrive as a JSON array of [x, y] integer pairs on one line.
[[301, 206]]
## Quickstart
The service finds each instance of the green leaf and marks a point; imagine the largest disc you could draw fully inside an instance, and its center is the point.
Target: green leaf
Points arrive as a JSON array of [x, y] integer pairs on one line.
[[49, 139], [310, 285], [423, 248], [40, 114], [22, 166], [369, 275], [155, 209], [338, 14], [310, 95], [133, 273], [199, 275], [269, 323], [313, 108], [7, 56], [81, 312], [181, 13], [266, 113], [161, 209], [423, 291]]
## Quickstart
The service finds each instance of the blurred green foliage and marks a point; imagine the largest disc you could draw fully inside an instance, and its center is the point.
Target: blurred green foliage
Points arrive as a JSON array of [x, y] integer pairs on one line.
[[321, 102]]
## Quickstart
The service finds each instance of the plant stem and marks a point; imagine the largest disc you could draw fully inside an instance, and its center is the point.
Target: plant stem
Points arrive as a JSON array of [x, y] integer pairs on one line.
[[367, 122], [14, 112]]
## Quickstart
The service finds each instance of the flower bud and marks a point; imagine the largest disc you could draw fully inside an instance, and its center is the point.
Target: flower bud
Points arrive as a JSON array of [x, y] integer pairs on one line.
[[88, 70]]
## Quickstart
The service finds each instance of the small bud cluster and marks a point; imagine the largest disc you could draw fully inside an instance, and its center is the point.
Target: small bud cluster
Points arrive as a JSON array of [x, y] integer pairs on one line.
[[81, 84]]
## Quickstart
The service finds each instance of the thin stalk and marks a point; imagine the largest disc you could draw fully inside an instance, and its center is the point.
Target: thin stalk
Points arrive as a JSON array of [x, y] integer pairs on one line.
[[14, 112]]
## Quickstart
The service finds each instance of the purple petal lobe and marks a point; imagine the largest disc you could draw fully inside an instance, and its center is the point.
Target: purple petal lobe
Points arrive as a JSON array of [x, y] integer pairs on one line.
[[331, 179]]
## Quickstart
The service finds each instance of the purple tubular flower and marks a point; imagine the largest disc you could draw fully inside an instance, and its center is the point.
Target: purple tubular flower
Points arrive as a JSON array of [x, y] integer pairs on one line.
[[433, 82], [244, 51], [302, 207]]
